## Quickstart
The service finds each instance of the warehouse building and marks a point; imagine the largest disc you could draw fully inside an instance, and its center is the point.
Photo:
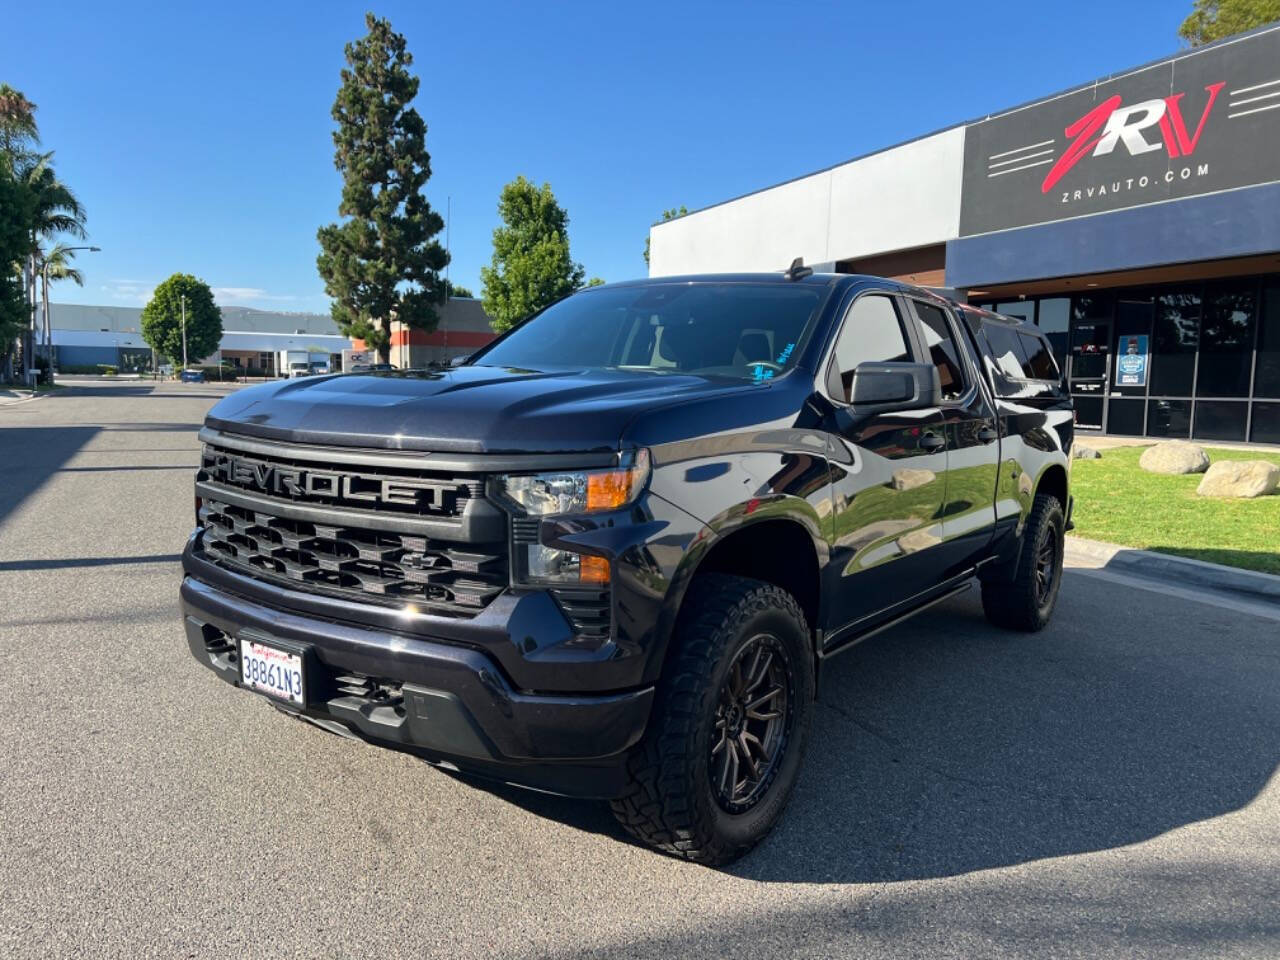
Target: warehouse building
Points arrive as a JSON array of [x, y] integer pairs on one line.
[[1135, 218], [88, 337]]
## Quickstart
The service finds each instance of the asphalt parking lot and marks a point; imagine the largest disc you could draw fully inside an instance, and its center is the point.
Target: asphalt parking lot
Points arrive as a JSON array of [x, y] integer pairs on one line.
[[1106, 788]]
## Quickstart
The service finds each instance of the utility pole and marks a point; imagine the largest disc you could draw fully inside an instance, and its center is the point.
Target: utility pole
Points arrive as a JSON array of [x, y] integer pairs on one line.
[[48, 324], [184, 331]]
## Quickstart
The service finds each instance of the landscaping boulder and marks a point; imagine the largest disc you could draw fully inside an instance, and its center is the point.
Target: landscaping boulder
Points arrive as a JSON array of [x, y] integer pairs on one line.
[[1240, 478], [1174, 456], [907, 478], [1081, 452]]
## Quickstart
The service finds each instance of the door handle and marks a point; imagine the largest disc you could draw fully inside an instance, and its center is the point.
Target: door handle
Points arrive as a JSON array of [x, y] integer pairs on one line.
[[987, 434], [931, 442]]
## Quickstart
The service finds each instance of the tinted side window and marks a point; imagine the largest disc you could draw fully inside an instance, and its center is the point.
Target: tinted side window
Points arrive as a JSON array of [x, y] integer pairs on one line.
[[1006, 350], [1039, 365], [872, 332], [942, 349]]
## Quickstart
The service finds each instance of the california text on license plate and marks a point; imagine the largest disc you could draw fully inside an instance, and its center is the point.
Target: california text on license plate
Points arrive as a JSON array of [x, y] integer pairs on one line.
[[271, 670]]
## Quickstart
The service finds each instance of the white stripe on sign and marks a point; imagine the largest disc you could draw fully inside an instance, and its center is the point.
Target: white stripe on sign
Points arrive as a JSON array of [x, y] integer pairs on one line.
[[1262, 96], [1043, 143], [1245, 113], [1256, 86], [1038, 153], [1026, 166]]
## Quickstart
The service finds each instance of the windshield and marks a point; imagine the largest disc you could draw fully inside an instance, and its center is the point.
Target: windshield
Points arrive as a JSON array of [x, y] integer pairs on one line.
[[746, 331]]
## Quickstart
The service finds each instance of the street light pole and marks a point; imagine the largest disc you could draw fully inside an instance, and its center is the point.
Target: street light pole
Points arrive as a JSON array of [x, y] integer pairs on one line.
[[184, 331], [48, 324]]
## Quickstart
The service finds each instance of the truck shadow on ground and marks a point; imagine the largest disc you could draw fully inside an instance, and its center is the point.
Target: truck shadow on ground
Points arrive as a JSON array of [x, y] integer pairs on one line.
[[946, 746]]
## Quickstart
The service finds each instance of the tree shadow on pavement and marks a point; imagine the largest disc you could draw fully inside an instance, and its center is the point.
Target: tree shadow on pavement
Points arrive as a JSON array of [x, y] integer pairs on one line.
[[946, 746], [28, 455]]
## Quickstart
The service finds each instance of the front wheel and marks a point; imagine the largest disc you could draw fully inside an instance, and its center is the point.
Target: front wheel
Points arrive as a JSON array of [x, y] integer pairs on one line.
[[1027, 602], [726, 740]]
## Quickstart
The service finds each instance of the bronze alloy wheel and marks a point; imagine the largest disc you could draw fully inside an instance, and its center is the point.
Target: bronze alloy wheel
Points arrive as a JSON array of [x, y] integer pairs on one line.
[[1046, 566], [752, 724]]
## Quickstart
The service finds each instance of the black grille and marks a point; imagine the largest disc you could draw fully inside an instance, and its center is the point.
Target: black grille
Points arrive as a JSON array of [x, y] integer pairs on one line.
[[373, 566]]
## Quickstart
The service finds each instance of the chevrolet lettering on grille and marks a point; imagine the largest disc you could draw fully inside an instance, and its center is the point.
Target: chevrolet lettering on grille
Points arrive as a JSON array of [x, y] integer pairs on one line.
[[298, 482]]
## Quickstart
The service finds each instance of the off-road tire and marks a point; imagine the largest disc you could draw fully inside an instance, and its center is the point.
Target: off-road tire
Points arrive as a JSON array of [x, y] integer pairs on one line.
[[671, 803], [1024, 603]]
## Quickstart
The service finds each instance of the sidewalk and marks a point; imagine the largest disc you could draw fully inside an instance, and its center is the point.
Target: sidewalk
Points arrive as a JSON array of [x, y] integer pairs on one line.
[[1098, 442], [1168, 569], [10, 396]]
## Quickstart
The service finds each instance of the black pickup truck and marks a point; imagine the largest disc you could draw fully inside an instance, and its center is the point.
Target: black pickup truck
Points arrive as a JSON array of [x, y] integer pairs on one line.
[[608, 555]]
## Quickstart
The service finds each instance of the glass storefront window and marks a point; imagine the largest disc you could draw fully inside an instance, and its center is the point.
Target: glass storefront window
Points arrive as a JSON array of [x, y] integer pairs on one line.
[[1090, 336], [1169, 418], [1226, 340], [1174, 341], [1052, 318], [1266, 423], [1220, 419], [1022, 309], [1266, 380], [1133, 320], [1124, 417]]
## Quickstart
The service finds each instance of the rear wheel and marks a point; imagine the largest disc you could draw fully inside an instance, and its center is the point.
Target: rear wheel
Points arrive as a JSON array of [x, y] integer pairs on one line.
[[726, 740], [1027, 602]]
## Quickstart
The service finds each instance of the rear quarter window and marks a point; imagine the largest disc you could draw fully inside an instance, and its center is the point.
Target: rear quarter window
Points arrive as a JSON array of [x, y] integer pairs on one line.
[[1020, 361]]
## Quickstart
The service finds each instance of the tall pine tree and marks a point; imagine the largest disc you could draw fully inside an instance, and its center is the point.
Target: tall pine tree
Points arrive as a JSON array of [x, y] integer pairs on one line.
[[382, 262]]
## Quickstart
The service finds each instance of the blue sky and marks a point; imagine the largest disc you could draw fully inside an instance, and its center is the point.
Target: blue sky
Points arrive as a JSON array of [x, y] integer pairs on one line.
[[198, 137]]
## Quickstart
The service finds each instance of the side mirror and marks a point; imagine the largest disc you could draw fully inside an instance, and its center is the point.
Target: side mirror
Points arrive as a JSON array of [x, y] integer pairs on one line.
[[459, 361], [902, 386]]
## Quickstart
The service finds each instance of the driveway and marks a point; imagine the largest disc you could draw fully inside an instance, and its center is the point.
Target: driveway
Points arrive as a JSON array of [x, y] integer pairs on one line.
[[1105, 788]]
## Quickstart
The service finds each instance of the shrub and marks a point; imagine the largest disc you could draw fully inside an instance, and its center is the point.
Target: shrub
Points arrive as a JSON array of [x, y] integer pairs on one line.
[[107, 369]]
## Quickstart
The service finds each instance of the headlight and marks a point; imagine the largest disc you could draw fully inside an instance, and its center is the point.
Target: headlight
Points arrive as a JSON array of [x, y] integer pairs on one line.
[[570, 492], [582, 491]]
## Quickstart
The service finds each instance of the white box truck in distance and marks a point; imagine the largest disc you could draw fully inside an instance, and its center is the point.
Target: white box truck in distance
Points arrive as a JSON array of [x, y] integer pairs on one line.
[[294, 363]]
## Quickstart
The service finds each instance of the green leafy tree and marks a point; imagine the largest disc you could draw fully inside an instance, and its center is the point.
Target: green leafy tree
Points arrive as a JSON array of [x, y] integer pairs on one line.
[[596, 282], [531, 266], [666, 215], [1212, 20], [458, 290], [162, 318], [381, 263]]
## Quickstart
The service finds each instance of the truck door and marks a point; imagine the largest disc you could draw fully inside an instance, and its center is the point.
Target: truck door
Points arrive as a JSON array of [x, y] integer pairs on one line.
[[887, 473], [973, 448]]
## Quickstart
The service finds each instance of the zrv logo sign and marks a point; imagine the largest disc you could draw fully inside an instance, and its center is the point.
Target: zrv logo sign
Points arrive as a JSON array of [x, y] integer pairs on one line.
[[1203, 122], [1127, 126]]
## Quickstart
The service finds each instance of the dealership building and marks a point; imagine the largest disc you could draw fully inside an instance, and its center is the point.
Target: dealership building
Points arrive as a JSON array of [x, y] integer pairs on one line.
[[1135, 219]]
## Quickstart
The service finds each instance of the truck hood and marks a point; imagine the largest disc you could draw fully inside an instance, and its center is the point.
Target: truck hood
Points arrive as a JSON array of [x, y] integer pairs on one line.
[[471, 409]]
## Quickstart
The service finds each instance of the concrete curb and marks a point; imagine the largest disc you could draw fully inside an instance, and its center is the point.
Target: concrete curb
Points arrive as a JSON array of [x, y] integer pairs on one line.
[[1170, 569], [21, 400]]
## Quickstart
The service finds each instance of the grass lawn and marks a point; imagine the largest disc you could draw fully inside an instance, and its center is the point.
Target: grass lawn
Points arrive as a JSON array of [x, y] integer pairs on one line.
[[1119, 502]]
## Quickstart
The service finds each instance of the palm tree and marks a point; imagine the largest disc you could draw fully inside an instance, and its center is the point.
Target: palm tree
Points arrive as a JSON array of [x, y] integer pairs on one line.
[[56, 210], [55, 265], [18, 135], [18, 129]]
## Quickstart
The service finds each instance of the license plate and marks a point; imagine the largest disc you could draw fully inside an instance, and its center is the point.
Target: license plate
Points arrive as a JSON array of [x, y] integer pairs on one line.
[[272, 671]]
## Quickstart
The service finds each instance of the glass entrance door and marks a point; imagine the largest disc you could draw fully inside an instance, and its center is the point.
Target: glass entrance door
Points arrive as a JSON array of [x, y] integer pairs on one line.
[[1090, 365]]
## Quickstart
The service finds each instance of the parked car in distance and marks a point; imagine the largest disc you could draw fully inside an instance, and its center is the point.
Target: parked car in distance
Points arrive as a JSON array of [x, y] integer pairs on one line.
[[608, 556], [191, 376]]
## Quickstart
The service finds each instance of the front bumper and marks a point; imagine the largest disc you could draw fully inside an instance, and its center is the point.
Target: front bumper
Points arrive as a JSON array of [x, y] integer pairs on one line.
[[454, 704]]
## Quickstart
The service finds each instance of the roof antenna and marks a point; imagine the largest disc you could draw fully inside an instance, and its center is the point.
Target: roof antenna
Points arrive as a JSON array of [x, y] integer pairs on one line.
[[797, 270]]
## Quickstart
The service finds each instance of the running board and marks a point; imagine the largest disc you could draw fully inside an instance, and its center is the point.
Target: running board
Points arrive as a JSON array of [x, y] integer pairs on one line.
[[857, 638]]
